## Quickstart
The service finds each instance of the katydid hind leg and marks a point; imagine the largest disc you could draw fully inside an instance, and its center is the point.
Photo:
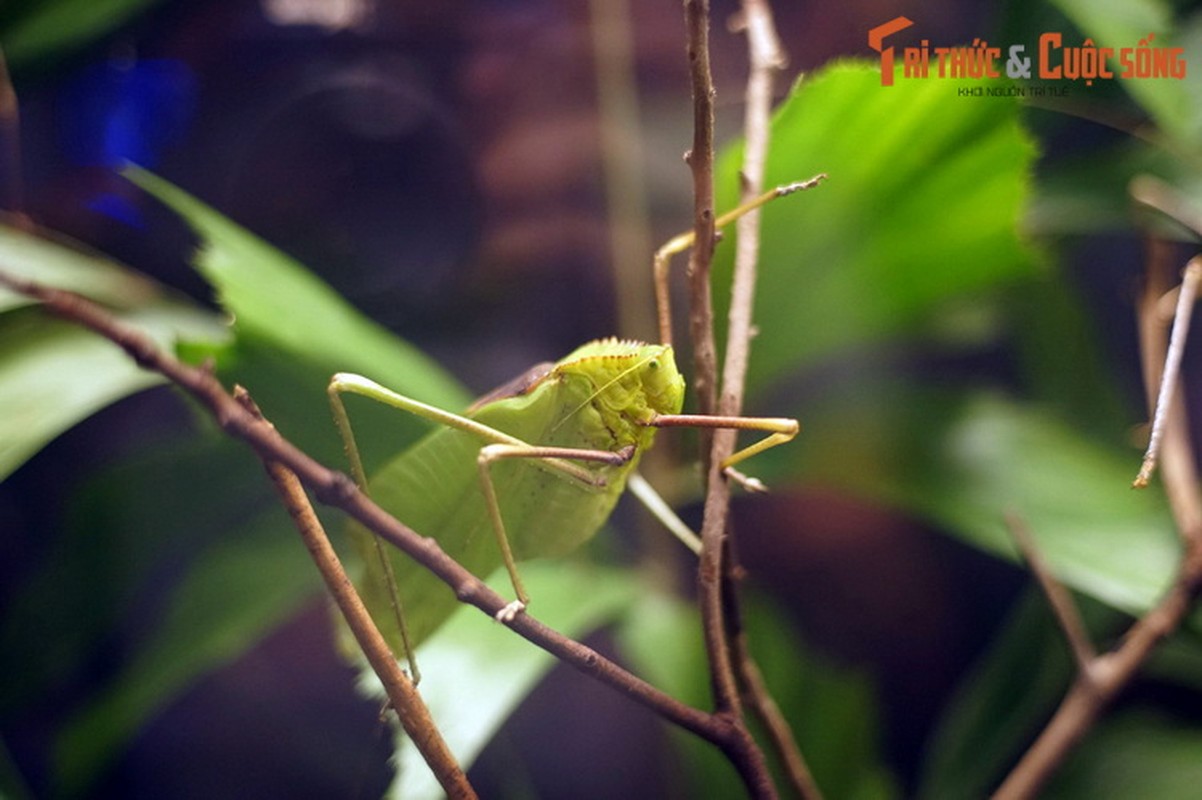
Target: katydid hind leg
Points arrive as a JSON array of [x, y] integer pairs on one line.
[[490, 454]]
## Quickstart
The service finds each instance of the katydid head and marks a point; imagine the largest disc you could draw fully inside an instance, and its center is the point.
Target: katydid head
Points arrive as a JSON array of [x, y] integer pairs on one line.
[[628, 384]]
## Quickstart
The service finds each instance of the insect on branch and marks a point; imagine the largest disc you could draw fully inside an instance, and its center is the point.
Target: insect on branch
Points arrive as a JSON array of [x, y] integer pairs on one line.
[[337, 489]]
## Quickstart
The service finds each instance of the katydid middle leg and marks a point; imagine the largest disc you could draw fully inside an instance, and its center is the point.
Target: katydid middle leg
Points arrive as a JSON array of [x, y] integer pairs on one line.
[[683, 241]]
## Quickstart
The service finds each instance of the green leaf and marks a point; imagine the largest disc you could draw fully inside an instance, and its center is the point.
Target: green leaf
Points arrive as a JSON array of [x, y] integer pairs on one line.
[[1099, 535], [55, 25], [1124, 23], [1135, 753], [475, 672], [921, 206], [278, 303], [242, 586], [150, 560], [1002, 701], [56, 261], [293, 332], [832, 711], [965, 459], [54, 373]]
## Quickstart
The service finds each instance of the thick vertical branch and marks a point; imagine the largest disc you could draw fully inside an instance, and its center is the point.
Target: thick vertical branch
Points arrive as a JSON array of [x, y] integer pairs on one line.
[[710, 580], [700, 159]]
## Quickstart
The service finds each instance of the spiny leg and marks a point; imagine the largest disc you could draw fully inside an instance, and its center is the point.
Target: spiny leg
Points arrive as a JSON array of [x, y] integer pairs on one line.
[[682, 242], [496, 452]]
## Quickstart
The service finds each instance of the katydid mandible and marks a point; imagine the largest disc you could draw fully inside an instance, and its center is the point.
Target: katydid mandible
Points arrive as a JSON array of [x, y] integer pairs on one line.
[[532, 470]]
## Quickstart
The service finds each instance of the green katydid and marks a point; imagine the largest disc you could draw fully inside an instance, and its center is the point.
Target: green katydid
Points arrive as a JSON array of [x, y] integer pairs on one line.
[[533, 469]]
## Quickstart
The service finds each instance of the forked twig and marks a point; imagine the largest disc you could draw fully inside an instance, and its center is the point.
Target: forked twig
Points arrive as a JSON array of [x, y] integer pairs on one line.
[[1063, 607], [1107, 674]]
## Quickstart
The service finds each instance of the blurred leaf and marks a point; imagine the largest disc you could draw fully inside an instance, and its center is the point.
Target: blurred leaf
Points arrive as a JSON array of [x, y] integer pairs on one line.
[[924, 194], [1133, 754], [149, 563], [123, 527], [832, 711], [965, 459], [241, 586], [55, 374], [1098, 535], [1088, 194], [12, 783], [1179, 660], [49, 26], [294, 331], [475, 673], [62, 263], [1002, 702], [1124, 23], [276, 301]]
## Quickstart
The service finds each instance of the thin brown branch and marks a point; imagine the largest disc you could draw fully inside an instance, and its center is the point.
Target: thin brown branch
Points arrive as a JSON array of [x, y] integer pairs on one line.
[[763, 705], [700, 159], [402, 694], [336, 489], [1063, 607], [701, 316], [767, 58], [1186, 297], [1092, 691]]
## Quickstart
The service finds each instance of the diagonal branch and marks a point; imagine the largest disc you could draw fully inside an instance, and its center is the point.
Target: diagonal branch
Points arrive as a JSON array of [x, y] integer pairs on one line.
[[1067, 615], [337, 489], [402, 694]]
